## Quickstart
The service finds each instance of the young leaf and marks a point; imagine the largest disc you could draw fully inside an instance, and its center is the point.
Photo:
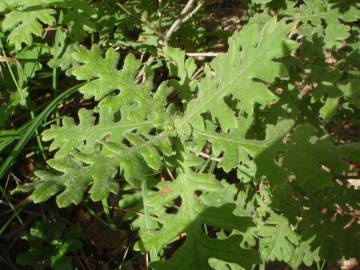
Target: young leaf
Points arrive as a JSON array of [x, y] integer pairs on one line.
[[333, 14], [235, 148], [240, 74], [105, 78], [190, 217], [277, 240], [24, 23], [76, 172], [87, 135]]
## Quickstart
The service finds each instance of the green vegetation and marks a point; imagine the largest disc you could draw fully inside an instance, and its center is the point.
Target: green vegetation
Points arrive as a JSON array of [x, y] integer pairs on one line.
[[166, 134]]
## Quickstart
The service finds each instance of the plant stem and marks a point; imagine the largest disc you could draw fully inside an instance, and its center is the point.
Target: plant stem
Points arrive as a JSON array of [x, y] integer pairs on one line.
[[184, 17]]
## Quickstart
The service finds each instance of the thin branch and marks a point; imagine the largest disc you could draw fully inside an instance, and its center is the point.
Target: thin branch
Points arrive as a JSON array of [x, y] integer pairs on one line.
[[187, 7], [170, 174], [4, 59], [141, 75], [16, 206], [160, 14], [197, 73], [184, 18], [204, 155], [203, 54], [148, 24], [196, 9]]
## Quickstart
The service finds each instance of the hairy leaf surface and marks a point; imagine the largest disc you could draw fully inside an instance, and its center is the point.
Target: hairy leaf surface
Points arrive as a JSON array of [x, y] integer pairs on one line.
[[240, 74]]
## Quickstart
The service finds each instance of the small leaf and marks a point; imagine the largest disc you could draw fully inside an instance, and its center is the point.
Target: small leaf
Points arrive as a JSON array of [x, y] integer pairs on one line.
[[23, 24]]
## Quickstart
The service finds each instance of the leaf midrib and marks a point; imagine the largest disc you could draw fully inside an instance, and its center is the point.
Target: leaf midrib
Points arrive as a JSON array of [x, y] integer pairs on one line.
[[93, 129], [204, 104]]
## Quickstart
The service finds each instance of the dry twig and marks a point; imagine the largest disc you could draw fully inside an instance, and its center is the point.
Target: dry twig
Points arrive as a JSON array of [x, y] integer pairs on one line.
[[203, 54], [184, 17]]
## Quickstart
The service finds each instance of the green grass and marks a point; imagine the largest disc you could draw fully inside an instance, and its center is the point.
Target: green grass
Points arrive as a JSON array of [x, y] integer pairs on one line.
[[29, 130]]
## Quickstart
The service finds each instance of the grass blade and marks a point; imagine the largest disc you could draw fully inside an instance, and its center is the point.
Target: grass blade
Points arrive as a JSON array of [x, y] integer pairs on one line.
[[16, 134], [33, 127]]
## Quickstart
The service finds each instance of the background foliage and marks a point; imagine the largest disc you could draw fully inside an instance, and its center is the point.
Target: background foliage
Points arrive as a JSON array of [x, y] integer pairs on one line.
[[172, 139]]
